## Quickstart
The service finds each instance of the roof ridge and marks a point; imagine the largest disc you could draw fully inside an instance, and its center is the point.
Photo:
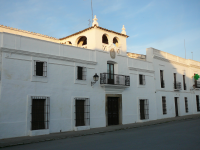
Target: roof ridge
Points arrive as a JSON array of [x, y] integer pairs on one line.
[[33, 33]]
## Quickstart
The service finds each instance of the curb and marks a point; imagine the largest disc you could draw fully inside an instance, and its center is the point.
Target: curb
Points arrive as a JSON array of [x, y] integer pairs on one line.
[[85, 134]]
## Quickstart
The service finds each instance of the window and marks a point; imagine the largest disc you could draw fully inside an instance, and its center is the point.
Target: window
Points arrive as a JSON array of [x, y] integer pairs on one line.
[[40, 113], [81, 73], [40, 68], [175, 81], [82, 112], [161, 79], [142, 79], [104, 39], [144, 109], [198, 105], [164, 105], [186, 105], [184, 84]]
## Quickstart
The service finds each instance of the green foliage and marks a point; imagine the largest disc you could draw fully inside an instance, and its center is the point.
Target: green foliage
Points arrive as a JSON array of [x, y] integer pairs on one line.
[[196, 76]]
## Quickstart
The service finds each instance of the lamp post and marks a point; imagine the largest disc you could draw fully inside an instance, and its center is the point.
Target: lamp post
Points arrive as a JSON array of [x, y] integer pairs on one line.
[[95, 78]]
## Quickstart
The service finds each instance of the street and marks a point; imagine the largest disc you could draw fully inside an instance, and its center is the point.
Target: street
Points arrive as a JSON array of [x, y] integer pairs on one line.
[[183, 135]]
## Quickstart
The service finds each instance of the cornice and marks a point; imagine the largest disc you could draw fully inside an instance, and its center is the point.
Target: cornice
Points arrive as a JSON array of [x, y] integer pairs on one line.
[[142, 70], [47, 56]]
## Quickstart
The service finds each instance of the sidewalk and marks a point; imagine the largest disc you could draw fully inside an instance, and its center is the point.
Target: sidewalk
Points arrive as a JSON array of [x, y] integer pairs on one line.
[[56, 136]]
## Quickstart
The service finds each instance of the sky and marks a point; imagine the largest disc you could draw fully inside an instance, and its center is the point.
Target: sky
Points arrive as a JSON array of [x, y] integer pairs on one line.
[[161, 24]]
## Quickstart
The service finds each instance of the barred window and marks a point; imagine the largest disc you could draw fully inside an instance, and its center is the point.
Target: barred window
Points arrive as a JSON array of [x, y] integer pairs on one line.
[[142, 79], [164, 105], [40, 68], [81, 73], [186, 105], [144, 109], [40, 110], [198, 105], [162, 79], [82, 112]]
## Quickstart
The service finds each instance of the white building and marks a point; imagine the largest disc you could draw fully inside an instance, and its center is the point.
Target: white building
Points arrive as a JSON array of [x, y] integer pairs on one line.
[[45, 83]]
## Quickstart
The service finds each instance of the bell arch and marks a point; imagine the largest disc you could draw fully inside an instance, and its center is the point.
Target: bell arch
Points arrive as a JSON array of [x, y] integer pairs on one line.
[[116, 41], [82, 40], [105, 39]]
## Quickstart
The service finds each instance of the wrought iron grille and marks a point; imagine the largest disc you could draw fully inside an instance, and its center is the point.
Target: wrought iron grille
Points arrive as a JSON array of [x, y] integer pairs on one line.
[[144, 109], [82, 112], [198, 104], [186, 105], [40, 68], [177, 85], [164, 105], [116, 79], [197, 84], [81, 73], [40, 110]]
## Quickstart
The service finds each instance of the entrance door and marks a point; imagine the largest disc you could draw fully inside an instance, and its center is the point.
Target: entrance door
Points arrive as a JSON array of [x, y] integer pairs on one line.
[[110, 71], [113, 111], [142, 113], [176, 105]]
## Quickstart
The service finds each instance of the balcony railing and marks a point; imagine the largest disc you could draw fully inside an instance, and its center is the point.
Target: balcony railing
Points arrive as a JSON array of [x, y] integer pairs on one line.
[[197, 84], [162, 84], [177, 86], [115, 79]]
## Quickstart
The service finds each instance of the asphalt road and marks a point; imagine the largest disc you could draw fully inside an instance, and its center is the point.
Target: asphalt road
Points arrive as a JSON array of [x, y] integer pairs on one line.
[[183, 135]]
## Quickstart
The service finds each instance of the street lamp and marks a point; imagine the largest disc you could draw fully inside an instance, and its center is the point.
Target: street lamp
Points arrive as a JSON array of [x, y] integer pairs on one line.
[[95, 78]]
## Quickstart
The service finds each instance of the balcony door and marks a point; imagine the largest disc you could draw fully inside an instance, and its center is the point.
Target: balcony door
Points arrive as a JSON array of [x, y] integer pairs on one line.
[[176, 105], [110, 73]]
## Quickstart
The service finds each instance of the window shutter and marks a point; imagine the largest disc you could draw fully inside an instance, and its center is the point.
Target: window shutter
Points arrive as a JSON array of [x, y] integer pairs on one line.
[[84, 73], [45, 69], [34, 68]]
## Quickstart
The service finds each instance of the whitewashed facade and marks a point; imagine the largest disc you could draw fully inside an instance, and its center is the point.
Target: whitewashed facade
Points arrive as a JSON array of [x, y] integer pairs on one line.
[[60, 89]]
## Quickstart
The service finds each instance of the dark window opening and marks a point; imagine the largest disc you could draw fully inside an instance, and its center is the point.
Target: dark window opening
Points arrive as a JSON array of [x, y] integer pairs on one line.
[[142, 79], [82, 41], [175, 81], [82, 112], [104, 39], [40, 114], [184, 84], [115, 42], [161, 79], [81, 73], [198, 105], [39, 68], [164, 105], [144, 109], [110, 71], [186, 105]]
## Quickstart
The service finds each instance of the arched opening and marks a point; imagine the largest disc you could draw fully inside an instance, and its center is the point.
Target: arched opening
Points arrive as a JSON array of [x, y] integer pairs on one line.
[[69, 43], [82, 41], [104, 39], [115, 42]]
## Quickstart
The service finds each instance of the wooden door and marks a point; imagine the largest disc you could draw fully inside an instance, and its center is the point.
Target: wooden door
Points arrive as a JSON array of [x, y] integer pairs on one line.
[[110, 71], [142, 112], [80, 119], [113, 111]]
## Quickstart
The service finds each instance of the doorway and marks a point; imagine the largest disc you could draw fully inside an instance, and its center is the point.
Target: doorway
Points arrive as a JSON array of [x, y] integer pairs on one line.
[[110, 73], [113, 111], [176, 105]]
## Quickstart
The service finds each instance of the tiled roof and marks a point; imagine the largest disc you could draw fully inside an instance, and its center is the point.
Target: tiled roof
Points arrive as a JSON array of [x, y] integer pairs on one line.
[[92, 28]]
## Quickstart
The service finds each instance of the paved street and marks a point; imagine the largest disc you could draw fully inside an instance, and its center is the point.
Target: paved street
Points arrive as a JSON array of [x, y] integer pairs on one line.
[[182, 135]]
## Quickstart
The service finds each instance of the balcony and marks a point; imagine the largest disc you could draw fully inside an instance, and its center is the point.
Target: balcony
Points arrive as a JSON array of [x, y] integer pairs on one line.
[[197, 84], [177, 86], [114, 80]]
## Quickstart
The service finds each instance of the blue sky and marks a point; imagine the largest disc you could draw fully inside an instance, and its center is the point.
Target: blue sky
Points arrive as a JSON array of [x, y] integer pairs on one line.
[[162, 24]]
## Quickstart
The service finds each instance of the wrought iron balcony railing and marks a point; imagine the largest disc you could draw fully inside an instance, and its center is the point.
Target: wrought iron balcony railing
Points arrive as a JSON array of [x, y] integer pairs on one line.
[[197, 84], [115, 79], [177, 86]]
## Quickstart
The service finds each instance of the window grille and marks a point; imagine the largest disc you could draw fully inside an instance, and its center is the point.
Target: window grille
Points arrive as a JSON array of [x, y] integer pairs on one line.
[[198, 105], [144, 109], [40, 112], [40, 68], [81, 73], [186, 105], [164, 105], [142, 79], [82, 112]]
